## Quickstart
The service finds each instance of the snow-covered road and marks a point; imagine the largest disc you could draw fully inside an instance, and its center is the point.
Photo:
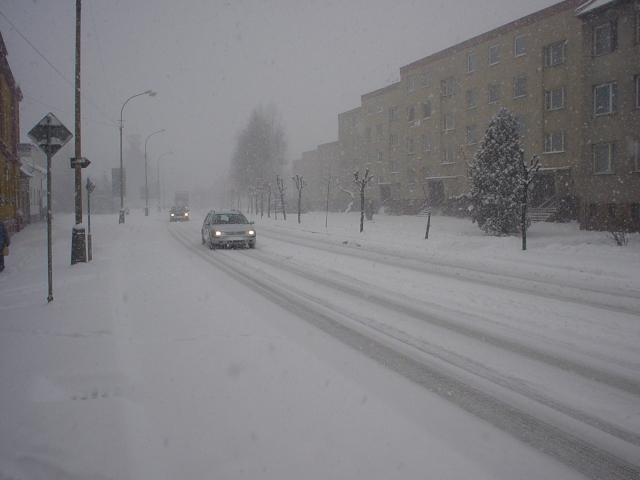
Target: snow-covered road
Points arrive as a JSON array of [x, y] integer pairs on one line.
[[321, 354]]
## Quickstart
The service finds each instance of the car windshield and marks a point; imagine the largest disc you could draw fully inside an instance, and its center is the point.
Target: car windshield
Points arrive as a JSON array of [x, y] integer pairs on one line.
[[234, 219]]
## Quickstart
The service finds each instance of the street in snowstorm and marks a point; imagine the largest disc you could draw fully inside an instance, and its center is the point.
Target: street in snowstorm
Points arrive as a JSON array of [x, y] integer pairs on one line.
[[322, 353]]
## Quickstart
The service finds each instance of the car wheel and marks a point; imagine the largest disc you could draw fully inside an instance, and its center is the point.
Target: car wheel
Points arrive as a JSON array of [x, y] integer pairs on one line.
[[252, 244], [202, 235]]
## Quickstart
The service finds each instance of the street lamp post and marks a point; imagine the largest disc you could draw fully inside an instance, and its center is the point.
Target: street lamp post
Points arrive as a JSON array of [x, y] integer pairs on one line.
[[159, 200], [151, 94], [146, 182]]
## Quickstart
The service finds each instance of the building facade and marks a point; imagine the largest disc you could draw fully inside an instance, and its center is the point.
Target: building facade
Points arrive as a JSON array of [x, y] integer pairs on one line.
[[10, 181], [569, 73]]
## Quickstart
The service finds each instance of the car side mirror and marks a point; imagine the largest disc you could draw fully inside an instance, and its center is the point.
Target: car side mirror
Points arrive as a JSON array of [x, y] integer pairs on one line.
[[252, 222]]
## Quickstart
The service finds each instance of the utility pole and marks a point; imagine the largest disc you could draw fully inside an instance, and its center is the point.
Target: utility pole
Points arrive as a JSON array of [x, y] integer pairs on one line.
[[78, 238]]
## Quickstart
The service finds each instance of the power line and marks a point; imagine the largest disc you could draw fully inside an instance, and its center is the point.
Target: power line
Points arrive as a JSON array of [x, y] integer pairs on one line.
[[55, 69]]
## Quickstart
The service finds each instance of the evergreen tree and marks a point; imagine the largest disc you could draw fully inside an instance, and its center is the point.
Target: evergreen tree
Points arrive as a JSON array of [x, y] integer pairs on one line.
[[496, 175]]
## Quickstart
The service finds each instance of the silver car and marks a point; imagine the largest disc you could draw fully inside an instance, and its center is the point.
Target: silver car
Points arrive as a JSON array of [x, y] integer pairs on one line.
[[228, 228]]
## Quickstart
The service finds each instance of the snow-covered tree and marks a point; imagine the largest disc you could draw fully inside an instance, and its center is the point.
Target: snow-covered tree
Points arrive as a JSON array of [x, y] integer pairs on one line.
[[496, 176]]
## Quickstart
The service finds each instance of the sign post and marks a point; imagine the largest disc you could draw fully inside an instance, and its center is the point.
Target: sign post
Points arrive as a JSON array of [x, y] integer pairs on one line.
[[50, 135]]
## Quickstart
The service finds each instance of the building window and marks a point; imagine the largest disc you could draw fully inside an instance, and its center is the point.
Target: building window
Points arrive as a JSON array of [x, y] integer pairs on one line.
[[636, 155], [393, 139], [447, 86], [637, 85], [554, 142], [393, 113], [521, 120], [411, 113], [411, 83], [426, 142], [380, 156], [426, 110], [603, 158], [448, 156], [379, 130], [368, 133], [554, 99], [593, 210], [472, 62], [555, 54], [368, 158], [426, 78], [411, 147], [393, 166], [356, 142], [635, 211], [472, 98], [605, 38], [519, 45], [472, 134], [411, 176], [379, 106], [448, 122], [494, 92], [612, 210], [520, 86], [494, 54], [605, 99], [370, 110], [424, 172]]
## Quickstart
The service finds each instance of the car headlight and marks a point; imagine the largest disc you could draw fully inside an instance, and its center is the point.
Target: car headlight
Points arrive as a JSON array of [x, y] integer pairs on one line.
[[251, 232], [218, 233], [172, 214], [186, 214]]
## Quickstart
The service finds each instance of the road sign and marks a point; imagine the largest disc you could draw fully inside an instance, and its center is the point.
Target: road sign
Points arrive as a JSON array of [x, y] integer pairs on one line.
[[83, 162], [50, 135]]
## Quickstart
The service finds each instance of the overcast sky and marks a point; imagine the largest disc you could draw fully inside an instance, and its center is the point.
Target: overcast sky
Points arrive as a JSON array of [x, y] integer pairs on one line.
[[212, 62]]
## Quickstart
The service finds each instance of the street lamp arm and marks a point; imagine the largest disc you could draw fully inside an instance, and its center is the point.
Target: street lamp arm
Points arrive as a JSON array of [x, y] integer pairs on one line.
[[148, 92]]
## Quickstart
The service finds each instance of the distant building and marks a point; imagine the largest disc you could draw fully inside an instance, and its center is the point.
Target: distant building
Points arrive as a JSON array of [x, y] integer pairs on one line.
[[10, 98]]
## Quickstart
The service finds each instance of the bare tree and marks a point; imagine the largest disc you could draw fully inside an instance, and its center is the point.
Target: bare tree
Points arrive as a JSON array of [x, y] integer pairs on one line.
[[281, 188], [300, 184], [260, 149], [525, 180], [349, 192], [362, 184]]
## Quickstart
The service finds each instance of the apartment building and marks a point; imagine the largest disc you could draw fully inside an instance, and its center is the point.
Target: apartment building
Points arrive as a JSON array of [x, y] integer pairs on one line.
[[10, 98], [569, 73]]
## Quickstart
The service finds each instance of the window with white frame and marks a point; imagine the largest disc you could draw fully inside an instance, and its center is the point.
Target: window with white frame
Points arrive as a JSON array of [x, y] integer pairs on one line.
[[472, 98], [379, 130], [519, 45], [411, 83], [426, 110], [368, 134], [603, 154], [494, 54], [393, 166], [448, 156], [554, 99], [426, 142], [411, 113], [411, 176], [520, 86], [379, 106], [393, 113], [411, 145], [426, 78], [448, 122], [472, 134], [555, 54], [448, 86], [554, 142], [368, 158], [605, 98], [605, 38], [370, 108], [393, 140], [472, 62], [380, 156], [494, 92]]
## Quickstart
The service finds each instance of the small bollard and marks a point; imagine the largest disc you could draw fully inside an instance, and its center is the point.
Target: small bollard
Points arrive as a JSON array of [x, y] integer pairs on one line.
[[121, 217], [78, 244]]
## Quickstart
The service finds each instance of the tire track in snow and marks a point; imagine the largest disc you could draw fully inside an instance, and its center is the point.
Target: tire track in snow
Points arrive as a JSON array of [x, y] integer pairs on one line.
[[560, 443]]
